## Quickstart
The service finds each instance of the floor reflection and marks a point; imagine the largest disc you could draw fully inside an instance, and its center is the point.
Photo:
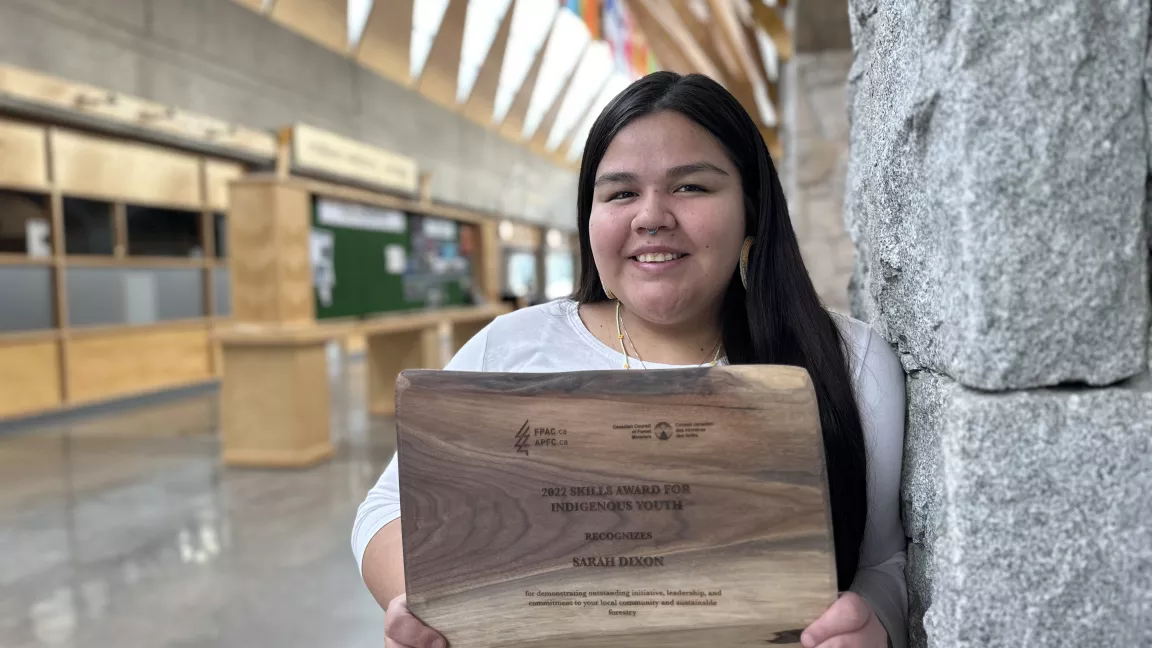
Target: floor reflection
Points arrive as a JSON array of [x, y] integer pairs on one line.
[[124, 530]]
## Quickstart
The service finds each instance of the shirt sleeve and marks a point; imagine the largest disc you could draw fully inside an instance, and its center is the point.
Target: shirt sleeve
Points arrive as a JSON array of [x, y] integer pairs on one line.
[[880, 577], [382, 505]]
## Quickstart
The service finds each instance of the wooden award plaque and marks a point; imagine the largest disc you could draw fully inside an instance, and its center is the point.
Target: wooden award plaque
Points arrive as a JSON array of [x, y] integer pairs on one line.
[[613, 509]]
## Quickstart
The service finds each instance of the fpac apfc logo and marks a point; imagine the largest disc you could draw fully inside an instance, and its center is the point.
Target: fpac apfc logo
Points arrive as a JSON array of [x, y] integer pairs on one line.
[[523, 438]]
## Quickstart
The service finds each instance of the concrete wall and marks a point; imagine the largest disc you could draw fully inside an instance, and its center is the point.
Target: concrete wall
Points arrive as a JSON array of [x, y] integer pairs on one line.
[[819, 133], [219, 59], [997, 199]]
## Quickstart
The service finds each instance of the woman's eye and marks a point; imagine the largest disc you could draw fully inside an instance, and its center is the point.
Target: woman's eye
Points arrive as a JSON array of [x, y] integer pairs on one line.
[[692, 188], [620, 195]]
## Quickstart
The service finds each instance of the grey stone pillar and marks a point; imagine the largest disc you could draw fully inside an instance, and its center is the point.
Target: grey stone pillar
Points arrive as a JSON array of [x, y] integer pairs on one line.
[[997, 199]]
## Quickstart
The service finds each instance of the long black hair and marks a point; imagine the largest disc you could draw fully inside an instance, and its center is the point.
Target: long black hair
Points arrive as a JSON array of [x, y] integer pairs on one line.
[[779, 319]]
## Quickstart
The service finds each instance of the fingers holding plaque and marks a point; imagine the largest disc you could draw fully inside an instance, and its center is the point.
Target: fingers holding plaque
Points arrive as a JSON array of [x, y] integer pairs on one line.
[[614, 509]]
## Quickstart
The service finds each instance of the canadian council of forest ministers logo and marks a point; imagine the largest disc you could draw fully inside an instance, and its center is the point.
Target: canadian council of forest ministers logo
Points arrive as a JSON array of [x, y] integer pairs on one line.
[[522, 438], [663, 431]]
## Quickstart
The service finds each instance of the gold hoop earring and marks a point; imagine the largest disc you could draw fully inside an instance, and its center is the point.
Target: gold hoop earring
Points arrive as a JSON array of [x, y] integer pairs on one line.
[[745, 252], [608, 292]]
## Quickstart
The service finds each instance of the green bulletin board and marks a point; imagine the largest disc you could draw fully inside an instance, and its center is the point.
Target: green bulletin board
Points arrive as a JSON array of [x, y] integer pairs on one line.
[[368, 260]]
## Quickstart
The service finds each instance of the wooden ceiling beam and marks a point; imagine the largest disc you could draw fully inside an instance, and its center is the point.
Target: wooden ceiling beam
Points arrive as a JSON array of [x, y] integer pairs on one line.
[[254, 5], [773, 24], [538, 144], [658, 19], [322, 21], [772, 141], [442, 69], [512, 126], [386, 44], [724, 14], [481, 101], [724, 48], [703, 33]]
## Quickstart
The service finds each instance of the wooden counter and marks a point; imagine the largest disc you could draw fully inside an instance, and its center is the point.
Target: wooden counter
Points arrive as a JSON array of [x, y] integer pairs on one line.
[[275, 404], [424, 340]]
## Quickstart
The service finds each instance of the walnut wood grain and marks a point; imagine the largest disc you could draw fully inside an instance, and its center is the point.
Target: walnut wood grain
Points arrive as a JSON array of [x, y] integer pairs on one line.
[[481, 530]]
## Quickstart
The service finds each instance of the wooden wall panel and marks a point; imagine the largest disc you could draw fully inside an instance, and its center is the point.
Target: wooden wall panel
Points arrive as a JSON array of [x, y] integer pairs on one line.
[[29, 377], [323, 21], [524, 236], [23, 159], [269, 228], [218, 174], [120, 363], [122, 171], [150, 116], [491, 262]]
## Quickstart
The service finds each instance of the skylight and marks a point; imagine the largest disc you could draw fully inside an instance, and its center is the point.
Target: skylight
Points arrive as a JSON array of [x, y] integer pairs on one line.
[[615, 85], [530, 22], [358, 11], [480, 27], [590, 77], [565, 47], [426, 18]]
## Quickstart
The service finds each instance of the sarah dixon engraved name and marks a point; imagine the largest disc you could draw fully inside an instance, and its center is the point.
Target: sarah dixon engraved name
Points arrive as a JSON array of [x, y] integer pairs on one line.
[[618, 561]]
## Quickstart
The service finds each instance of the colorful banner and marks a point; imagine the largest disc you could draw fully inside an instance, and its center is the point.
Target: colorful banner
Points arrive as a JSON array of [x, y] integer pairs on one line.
[[589, 12], [629, 48]]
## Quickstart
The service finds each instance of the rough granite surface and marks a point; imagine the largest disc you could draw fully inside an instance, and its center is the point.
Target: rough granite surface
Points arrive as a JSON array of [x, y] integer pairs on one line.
[[997, 178], [1038, 534]]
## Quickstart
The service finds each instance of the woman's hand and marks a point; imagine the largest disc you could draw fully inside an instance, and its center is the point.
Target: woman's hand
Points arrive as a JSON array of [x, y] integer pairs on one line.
[[848, 623], [403, 630]]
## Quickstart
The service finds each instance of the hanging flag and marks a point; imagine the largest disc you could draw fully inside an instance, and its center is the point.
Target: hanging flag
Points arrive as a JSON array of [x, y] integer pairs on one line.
[[639, 54], [592, 17]]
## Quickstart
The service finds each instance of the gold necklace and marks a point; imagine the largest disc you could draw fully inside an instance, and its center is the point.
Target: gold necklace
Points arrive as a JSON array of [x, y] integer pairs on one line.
[[620, 330]]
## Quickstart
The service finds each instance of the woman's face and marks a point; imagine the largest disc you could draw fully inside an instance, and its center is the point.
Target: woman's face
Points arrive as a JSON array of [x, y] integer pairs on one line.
[[664, 172]]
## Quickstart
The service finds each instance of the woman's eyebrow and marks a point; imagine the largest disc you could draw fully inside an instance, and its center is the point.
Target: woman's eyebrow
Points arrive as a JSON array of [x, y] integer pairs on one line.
[[686, 169], [615, 176], [674, 172]]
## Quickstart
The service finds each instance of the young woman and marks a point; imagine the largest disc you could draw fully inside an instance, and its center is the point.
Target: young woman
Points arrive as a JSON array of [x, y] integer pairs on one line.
[[687, 247]]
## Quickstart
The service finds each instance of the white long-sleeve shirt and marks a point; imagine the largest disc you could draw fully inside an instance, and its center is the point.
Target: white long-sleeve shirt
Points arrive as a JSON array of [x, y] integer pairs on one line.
[[552, 338]]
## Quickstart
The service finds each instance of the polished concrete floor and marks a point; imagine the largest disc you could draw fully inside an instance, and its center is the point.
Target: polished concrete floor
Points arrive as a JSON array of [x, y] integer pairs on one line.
[[123, 530]]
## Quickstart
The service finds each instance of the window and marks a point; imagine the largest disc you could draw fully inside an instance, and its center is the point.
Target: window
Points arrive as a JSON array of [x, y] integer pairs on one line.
[[26, 294], [25, 224], [221, 292], [520, 273], [559, 273], [154, 231], [220, 232], [88, 227], [107, 296]]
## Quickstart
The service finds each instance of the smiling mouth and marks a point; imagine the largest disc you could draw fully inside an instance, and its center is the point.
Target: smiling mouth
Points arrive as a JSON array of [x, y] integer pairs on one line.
[[658, 257]]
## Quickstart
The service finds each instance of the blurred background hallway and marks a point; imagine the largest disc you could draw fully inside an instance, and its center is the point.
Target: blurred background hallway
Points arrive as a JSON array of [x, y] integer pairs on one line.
[[121, 528]]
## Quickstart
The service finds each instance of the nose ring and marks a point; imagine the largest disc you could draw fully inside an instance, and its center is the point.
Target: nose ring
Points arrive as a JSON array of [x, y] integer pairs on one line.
[[652, 232]]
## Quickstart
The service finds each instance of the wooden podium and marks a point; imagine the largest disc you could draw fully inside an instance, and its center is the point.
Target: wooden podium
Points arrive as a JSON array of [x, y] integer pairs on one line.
[[678, 508]]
